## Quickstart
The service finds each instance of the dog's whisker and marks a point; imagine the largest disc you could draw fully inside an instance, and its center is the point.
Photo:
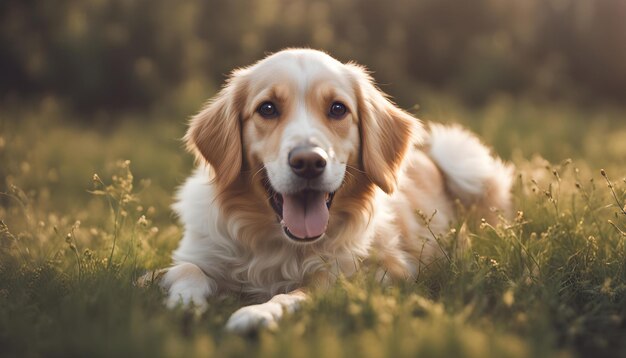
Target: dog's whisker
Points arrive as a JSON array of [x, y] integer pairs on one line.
[[257, 172], [348, 178], [355, 169]]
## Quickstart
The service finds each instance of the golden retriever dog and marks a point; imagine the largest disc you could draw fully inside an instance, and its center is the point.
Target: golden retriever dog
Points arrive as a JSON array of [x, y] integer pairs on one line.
[[306, 169]]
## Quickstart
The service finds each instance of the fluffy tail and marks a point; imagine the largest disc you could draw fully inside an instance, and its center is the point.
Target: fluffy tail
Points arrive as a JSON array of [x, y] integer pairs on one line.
[[473, 175]]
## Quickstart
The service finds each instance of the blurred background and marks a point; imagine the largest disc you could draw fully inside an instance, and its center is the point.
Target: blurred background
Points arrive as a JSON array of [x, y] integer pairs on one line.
[[84, 83], [120, 55]]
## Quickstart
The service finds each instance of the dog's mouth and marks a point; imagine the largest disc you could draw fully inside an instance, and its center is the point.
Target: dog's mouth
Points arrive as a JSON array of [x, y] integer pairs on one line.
[[303, 215]]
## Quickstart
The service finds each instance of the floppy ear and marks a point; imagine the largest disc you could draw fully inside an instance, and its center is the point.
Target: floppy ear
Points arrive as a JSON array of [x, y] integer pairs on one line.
[[386, 131], [214, 134]]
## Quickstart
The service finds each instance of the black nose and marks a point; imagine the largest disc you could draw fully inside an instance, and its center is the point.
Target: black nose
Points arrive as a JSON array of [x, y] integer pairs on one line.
[[307, 161]]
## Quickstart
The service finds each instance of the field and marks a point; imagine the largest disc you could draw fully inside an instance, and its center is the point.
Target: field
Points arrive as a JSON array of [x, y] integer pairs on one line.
[[85, 211]]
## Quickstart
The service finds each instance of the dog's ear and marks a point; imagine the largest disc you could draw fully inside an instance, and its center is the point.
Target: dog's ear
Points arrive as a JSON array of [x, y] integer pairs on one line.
[[214, 134], [386, 131]]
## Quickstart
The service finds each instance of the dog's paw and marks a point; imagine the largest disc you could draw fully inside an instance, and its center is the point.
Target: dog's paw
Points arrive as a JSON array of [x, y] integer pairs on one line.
[[187, 297], [187, 286], [251, 318]]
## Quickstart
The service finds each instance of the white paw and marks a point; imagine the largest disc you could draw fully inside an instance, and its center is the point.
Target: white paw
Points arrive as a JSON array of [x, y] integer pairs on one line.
[[187, 286], [187, 297], [251, 318]]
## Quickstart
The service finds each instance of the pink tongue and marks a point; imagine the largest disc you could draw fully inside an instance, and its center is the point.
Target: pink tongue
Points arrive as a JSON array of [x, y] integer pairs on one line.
[[305, 214]]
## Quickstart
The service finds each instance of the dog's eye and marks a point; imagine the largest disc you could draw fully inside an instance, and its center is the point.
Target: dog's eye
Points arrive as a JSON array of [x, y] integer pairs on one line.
[[267, 110], [337, 110]]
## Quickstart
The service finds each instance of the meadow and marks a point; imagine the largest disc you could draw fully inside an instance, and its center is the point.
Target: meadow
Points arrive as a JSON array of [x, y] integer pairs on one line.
[[85, 212]]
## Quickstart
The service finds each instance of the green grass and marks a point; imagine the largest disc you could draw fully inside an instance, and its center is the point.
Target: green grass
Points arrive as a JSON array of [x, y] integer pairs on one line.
[[550, 282]]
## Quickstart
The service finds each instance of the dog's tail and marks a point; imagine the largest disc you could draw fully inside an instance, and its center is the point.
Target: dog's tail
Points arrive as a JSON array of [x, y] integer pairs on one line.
[[475, 177]]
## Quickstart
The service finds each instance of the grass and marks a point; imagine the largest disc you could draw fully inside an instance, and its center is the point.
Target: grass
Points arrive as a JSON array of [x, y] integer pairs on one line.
[[551, 281]]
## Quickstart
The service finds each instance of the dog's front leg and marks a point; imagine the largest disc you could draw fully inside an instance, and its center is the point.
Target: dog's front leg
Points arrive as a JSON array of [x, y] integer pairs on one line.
[[188, 285], [265, 315]]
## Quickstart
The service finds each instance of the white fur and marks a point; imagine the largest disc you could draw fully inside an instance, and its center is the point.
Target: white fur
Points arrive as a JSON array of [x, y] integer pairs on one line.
[[469, 168], [265, 314]]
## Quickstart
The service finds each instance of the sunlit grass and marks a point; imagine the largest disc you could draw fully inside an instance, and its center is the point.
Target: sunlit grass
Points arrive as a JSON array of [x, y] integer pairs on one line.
[[79, 226]]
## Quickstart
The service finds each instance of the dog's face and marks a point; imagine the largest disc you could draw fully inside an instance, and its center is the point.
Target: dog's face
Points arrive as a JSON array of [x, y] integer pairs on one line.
[[296, 121]]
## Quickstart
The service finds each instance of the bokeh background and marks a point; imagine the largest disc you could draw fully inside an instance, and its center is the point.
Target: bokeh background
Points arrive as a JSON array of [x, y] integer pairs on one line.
[[119, 55]]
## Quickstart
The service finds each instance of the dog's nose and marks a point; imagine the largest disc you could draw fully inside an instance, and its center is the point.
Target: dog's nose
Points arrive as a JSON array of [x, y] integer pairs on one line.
[[307, 161]]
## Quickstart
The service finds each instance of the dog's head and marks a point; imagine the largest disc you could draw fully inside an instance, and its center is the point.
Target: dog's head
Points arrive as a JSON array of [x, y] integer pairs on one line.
[[298, 120]]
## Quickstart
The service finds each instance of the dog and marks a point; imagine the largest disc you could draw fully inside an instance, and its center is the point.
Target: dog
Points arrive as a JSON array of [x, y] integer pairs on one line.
[[306, 169]]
